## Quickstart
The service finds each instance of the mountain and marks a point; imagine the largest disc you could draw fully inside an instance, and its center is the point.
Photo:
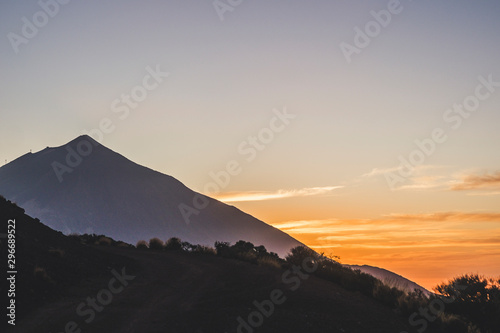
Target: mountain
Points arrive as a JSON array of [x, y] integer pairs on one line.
[[84, 187], [390, 278]]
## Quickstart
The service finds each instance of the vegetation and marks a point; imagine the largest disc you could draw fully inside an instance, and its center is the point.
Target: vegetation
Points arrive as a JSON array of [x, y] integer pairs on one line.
[[156, 244], [475, 298], [173, 244], [248, 252], [93, 239], [467, 304], [142, 245]]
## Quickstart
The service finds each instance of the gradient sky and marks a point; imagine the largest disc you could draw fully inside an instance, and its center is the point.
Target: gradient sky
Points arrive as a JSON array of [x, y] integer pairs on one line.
[[323, 177]]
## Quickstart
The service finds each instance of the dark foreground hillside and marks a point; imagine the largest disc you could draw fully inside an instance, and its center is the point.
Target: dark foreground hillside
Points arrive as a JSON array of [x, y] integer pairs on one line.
[[81, 288]]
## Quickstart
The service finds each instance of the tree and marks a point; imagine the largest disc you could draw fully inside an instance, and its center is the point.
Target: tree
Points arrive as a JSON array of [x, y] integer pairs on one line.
[[300, 253], [222, 248], [156, 244], [474, 297], [142, 245], [173, 244]]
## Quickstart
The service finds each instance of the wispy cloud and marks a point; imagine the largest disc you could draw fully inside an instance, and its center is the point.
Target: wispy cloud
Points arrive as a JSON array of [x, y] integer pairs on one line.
[[400, 230], [478, 181], [418, 170], [414, 245], [432, 178], [270, 195], [422, 177], [375, 172]]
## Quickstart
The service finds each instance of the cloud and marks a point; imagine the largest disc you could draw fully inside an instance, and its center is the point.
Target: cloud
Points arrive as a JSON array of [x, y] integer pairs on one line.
[[446, 216], [475, 182], [422, 177], [379, 171], [417, 170], [393, 231], [279, 194], [429, 177]]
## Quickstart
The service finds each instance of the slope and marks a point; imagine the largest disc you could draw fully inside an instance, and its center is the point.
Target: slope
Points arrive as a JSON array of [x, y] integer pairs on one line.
[[84, 187]]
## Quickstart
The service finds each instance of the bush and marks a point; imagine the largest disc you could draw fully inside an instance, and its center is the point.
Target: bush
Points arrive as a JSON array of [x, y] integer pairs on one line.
[[173, 244], [188, 247], [410, 302], [142, 245], [156, 244], [104, 241], [223, 249], [386, 295], [299, 254], [269, 261], [476, 298], [202, 249]]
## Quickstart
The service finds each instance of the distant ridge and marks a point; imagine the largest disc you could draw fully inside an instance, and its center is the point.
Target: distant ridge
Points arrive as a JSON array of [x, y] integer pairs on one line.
[[84, 187], [390, 278]]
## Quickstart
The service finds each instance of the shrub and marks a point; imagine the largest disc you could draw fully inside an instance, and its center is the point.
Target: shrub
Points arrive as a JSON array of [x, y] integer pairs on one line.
[[242, 246], [454, 324], [202, 249], [173, 244], [188, 247], [223, 249], [104, 241], [476, 298], [269, 261], [300, 253], [156, 244], [385, 294], [247, 256], [411, 301], [142, 245]]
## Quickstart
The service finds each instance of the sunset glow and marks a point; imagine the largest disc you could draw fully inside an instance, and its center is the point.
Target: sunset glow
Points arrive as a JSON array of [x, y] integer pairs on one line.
[[380, 146]]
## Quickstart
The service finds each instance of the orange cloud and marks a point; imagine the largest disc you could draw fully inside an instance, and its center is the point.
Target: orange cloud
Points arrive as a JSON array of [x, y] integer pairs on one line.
[[280, 194], [484, 181], [427, 248]]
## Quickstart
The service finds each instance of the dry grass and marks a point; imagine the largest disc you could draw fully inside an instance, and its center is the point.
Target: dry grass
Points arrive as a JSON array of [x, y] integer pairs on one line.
[[269, 261]]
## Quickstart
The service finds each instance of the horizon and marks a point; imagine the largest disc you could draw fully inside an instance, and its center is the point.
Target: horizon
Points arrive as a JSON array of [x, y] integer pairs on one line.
[[366, 130], [300, 234]]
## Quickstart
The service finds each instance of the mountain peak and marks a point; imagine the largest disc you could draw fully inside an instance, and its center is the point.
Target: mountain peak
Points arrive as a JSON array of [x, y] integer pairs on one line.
[[85, 187], [84, 137]]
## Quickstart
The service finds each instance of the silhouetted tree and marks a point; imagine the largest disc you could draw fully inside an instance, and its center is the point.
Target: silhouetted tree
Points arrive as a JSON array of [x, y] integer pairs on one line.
[[222, 248], [142, 245], [474, 297], [173, 244], [298, 254], [156, 244], [243, 247], [186, 246]]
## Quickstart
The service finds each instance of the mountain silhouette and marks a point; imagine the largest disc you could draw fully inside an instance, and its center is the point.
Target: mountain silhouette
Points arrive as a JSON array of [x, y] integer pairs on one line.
[[84, 187], [390, 278]]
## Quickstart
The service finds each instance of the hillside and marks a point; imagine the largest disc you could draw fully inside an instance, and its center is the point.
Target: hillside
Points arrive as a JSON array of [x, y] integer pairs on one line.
[[172, 291]]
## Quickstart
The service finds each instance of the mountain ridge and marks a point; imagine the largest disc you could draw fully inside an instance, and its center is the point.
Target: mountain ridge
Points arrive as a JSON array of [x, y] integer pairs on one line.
[[104, 192]]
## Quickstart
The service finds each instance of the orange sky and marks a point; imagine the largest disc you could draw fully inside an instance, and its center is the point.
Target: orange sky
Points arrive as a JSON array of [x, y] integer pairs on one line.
[[428, 248], [350, 118]]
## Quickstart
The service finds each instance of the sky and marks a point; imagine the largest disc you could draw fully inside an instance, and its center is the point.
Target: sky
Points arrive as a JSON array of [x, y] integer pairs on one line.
[[365, 129]]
